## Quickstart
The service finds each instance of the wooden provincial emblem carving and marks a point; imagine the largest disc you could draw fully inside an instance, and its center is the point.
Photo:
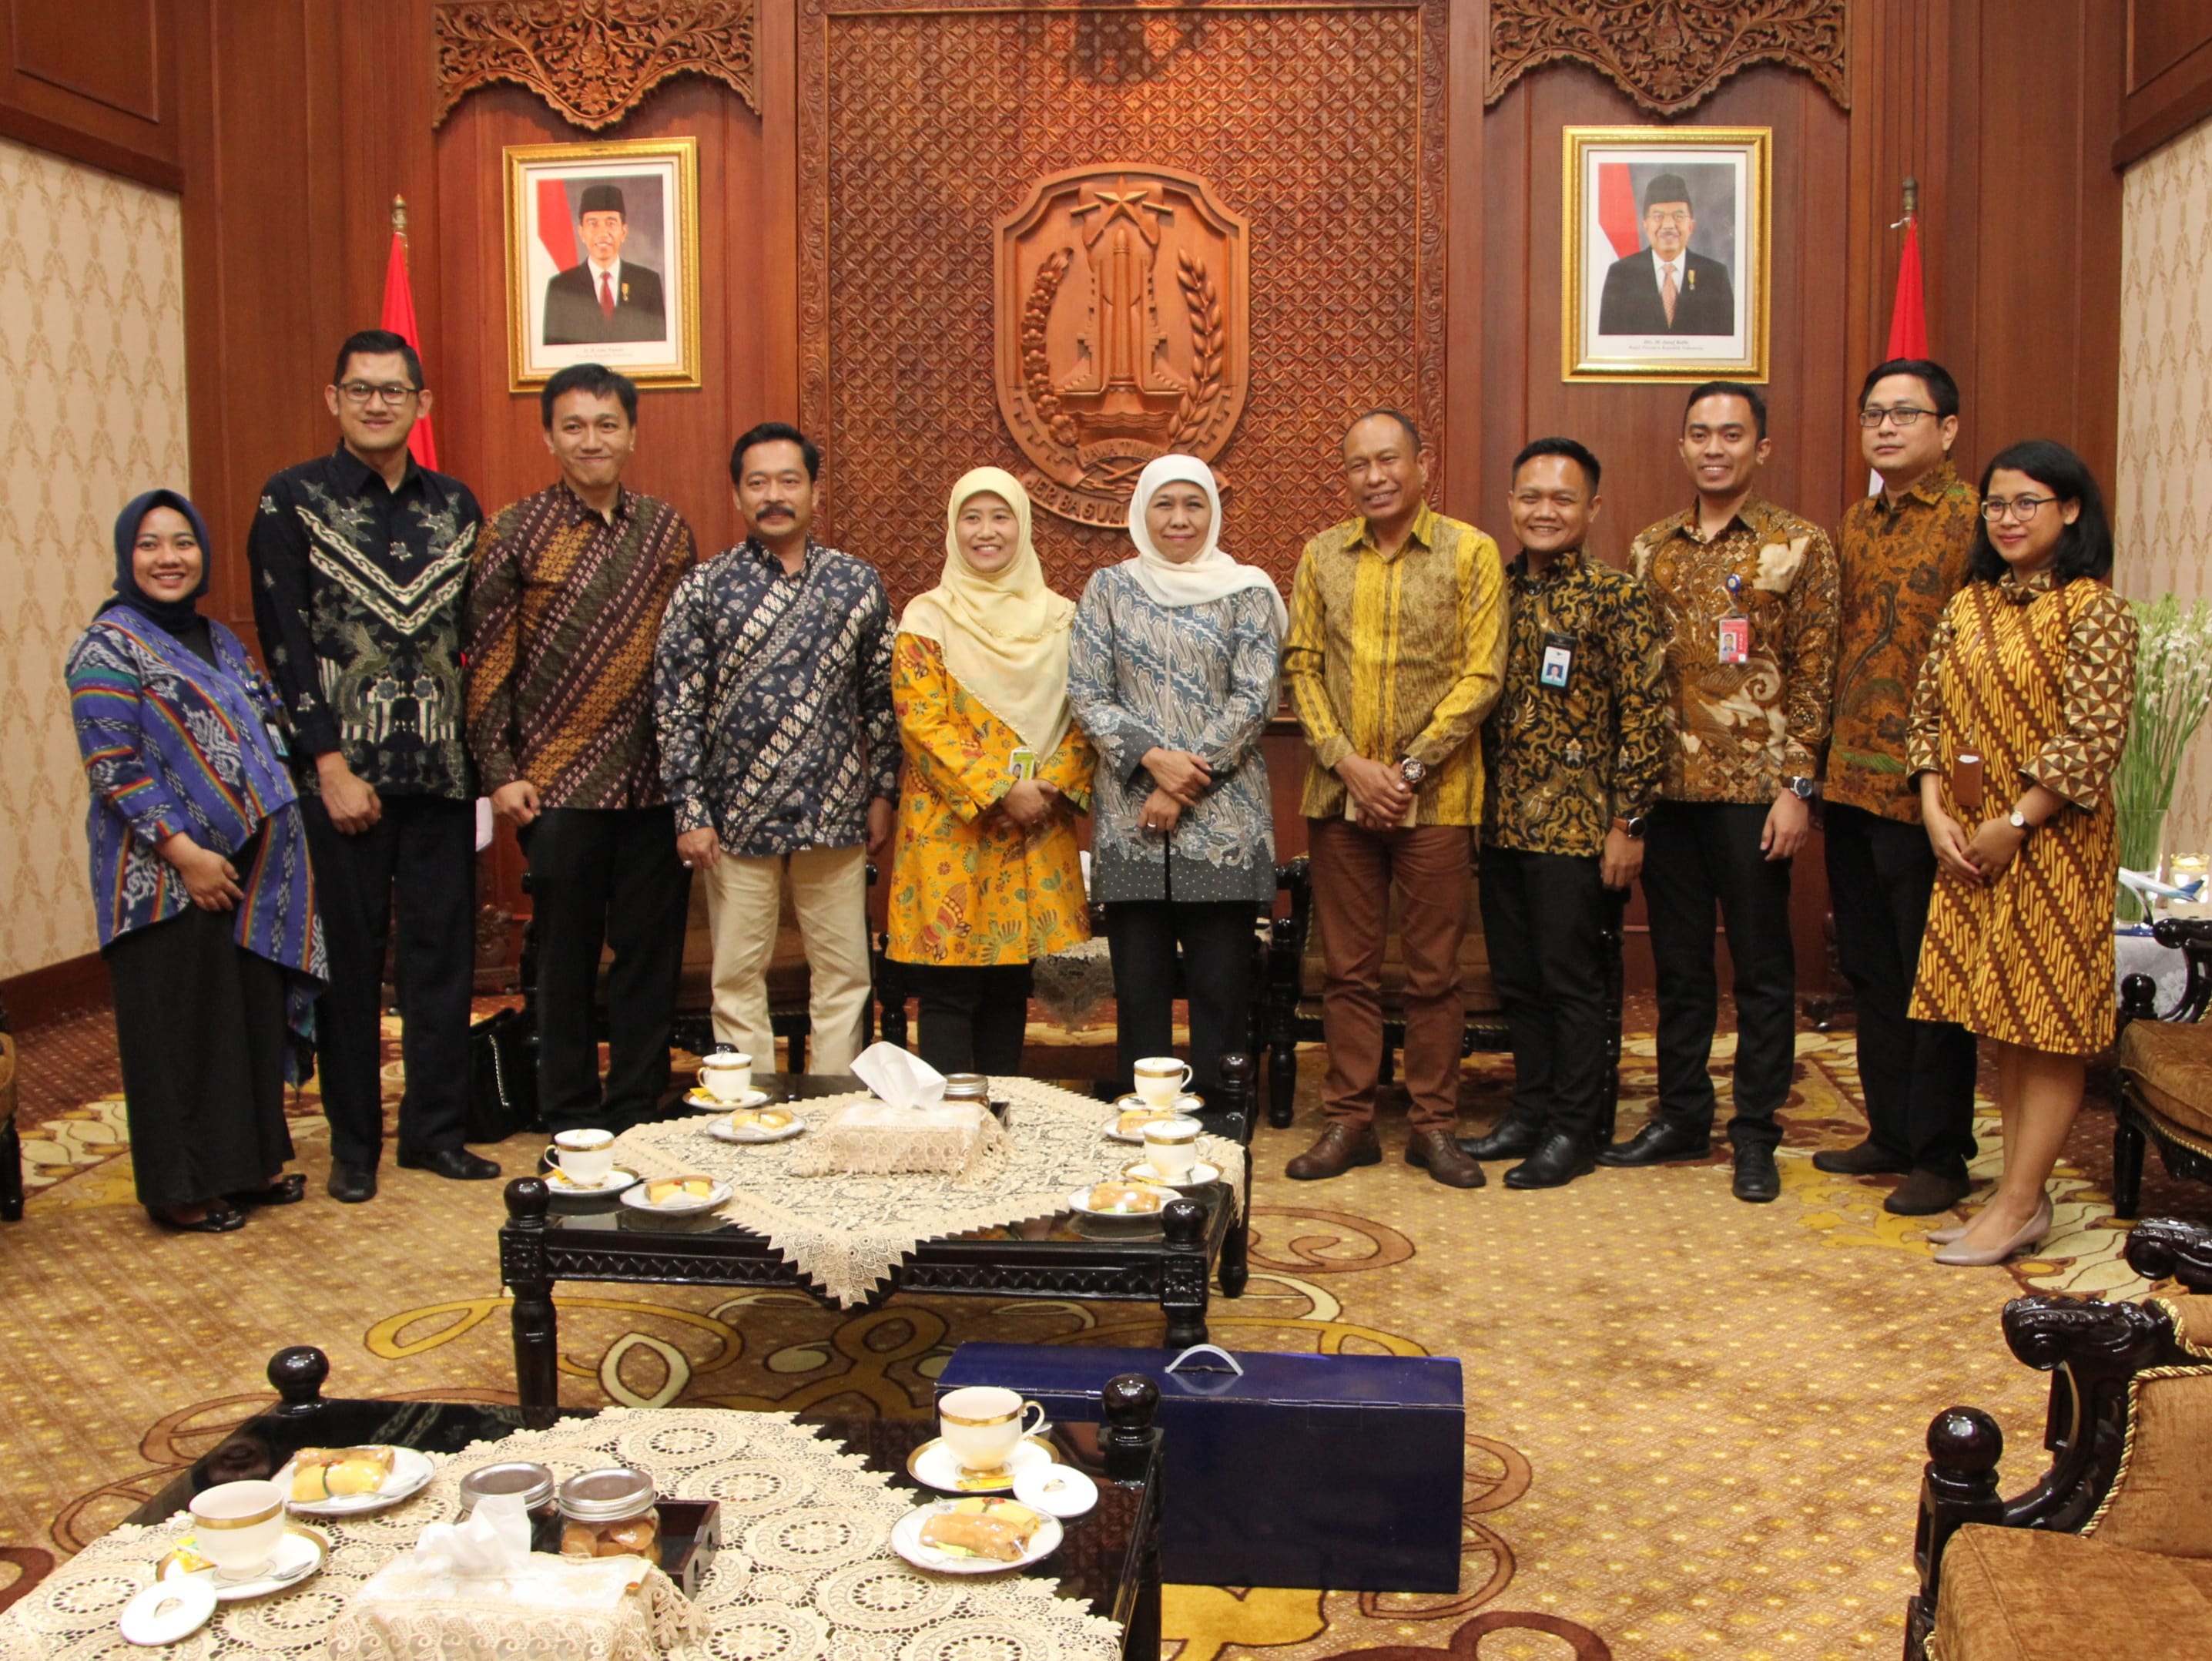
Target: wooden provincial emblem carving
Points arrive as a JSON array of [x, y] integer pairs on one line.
[[591, 60], [1122, 335]]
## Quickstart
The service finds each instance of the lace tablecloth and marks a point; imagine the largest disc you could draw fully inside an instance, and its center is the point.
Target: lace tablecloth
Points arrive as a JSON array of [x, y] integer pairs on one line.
[[847, 1233], [805, 1570]]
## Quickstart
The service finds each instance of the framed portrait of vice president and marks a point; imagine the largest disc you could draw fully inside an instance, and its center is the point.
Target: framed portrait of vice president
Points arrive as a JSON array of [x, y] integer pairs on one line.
[[603, 259], [1666, 249]]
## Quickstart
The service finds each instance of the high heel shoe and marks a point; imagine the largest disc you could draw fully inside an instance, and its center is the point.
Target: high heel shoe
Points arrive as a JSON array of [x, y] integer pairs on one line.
[[1945, 1235], [1956, 1255]]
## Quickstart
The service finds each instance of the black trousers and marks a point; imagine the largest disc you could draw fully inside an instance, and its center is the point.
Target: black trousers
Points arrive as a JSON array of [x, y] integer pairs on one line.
[[1698, 855], [1216, 938], [200, 1029], [974, 1019], [1543, 918], [418, 860], [1918, 1076], [601, 877]]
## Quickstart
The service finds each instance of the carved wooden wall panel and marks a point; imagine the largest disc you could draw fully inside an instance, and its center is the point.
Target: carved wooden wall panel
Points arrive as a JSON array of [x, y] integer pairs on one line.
[[591, 60], [1323, 128], [1669, 55]]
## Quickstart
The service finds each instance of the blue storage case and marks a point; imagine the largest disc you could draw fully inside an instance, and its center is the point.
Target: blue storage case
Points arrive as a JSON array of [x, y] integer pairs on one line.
[[1338, 1471]]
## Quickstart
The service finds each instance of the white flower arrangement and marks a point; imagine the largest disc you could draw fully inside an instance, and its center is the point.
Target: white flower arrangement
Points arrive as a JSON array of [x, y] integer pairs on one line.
[[2173, 690]]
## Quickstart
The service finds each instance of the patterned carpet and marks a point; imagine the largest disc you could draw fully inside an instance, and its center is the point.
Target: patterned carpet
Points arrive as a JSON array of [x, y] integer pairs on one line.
[[1694, 1427]]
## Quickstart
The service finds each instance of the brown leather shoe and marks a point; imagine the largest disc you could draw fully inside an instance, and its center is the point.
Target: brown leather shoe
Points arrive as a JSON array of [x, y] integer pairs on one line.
[[1338, 1148], [1435, 1151]]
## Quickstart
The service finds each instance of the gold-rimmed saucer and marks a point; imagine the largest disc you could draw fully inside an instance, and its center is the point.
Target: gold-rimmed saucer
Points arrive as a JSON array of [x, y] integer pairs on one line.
[[933, 1464]]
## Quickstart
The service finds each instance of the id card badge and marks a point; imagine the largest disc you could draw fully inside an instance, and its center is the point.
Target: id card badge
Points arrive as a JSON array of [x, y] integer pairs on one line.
[[1557, 670], [1022, 765], [1734, 629]]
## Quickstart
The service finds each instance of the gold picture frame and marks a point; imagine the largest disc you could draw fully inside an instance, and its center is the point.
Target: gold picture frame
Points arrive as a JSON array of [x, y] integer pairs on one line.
[[1663, 289], [643, 316]]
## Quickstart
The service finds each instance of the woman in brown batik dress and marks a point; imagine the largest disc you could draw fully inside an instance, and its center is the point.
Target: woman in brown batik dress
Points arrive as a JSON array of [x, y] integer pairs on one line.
[[2033, 669]]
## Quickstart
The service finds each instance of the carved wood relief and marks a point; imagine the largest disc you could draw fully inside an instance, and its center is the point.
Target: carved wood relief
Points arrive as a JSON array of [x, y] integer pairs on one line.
[[927, 132], [1669, 55], [591, 60]]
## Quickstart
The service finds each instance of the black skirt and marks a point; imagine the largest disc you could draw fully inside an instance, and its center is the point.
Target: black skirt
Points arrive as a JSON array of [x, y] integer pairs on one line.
[[199, 1022]]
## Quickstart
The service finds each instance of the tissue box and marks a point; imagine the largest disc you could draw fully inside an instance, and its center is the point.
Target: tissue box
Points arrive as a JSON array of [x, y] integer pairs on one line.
[[874, 1138], [608, 1609], [1337, 1471]]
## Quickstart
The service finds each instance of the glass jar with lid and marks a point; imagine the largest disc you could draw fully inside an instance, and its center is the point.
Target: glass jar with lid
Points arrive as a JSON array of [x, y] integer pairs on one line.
[[612, 1513]]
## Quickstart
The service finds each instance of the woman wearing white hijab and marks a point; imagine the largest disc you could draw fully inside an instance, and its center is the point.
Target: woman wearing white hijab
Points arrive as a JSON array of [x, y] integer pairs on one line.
[[986, 874], [1172, 673]]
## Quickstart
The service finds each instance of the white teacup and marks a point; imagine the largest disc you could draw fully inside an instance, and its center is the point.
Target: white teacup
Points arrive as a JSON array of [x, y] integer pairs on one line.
[[727, 1074], [1171, 1146], [237, 1526], [983, 1424], [586, 1156], [1161, 1079]]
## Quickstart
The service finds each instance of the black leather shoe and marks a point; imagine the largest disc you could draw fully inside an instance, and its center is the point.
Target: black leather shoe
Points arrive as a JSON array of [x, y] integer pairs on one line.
[[1656, 1143], [222, 1221], [288, 1188], [456, 1165], [1511, 1138], [1757, 1181], [1864, 1160], [1562, 1157], [350, 1185]]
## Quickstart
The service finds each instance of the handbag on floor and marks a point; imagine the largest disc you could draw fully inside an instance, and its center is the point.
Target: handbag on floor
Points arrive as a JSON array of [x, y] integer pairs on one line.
[[503, 1076]]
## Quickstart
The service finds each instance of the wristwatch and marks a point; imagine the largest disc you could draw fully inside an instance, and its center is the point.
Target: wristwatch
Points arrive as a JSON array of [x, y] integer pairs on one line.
[[1632, 825], [1412, 772], [2019, 821], [1801, 786]]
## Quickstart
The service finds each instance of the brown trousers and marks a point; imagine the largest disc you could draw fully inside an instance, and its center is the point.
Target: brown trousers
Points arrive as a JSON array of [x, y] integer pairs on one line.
[[1353, 869]]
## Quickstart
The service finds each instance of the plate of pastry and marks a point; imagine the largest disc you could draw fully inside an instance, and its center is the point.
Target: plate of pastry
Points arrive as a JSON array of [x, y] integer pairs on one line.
[[1197, 1176], [348, 1482], [757, 1124], [1120, 1199], [978, 1535], [676, 1196], [1132, 1113], [613, 1183], [700, 1099]]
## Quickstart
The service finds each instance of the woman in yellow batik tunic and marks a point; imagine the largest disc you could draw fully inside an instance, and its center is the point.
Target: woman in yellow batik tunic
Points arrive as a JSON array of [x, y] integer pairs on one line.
[[2031, 669], [987, 877]]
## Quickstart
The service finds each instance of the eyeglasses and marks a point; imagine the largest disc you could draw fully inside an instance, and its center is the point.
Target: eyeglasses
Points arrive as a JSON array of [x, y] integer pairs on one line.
[[1903, 414], [392, 391], [2019, 507]]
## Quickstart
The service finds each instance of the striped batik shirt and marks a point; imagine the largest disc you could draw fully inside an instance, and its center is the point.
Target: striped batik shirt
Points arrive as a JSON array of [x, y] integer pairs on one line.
[[772, 700], [563, 611], [1396, 656]]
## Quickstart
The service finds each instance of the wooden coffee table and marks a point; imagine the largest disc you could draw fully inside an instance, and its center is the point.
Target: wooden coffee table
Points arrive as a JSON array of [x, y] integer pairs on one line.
[[594, 1238], [1108, 1558]]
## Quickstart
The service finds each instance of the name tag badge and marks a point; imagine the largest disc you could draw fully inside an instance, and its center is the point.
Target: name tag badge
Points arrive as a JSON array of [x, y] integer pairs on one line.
[[1559, 664], [1022, 765], [1736, 640]]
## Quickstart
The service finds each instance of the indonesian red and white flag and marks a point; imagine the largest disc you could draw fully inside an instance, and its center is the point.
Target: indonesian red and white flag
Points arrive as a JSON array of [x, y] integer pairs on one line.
[[399, 319], [1908, 313]]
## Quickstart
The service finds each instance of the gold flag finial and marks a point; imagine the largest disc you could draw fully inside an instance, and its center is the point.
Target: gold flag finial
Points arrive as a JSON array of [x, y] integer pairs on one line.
[[399, 216]]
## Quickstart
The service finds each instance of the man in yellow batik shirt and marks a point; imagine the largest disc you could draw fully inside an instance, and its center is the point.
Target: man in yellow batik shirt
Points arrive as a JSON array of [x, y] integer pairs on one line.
[[1395, 653]]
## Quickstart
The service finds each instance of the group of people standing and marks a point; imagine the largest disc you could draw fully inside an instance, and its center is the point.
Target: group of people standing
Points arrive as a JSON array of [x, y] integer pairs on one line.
[[758, 720]]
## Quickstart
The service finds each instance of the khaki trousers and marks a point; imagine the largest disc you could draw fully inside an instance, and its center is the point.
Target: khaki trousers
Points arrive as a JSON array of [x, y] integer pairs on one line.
[[744, 901], [1353, 870]]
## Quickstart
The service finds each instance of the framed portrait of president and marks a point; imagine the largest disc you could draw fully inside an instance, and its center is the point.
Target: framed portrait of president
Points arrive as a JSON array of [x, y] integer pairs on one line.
[[1666, 247], [603, 259]]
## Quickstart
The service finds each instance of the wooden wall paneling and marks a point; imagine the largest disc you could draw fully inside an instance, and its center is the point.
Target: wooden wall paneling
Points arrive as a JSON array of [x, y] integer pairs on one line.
[[1470, 385], [2166, 78], [93, 80]]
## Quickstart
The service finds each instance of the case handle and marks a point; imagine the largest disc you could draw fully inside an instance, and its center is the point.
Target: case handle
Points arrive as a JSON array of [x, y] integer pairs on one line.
[[1216, 1350]]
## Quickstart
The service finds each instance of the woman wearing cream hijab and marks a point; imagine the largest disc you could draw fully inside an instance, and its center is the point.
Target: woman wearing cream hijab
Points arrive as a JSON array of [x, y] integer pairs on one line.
[[1173, 675], [986, 877]]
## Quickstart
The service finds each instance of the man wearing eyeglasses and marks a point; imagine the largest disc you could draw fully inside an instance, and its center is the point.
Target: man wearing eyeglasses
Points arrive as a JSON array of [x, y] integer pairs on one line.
[[1902, 553], [359, 558]]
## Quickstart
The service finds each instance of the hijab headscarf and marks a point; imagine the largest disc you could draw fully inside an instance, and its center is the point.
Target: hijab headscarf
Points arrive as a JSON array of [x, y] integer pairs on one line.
[[1212, 574], [168, 614], [1004, 634]]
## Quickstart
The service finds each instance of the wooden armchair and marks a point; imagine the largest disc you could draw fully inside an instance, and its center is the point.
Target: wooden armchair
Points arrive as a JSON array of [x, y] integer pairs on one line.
[[2165, 1070], [1295, 976], [11, 1145], [2109, 1554]]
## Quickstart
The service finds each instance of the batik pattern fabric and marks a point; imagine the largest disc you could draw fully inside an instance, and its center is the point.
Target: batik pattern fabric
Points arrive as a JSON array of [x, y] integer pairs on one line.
[[564, 610], [357, 593], [772, 700], [1199, 678], [1396, 657], [1898, 563], [1736, 730], [969, 886], [1564, 761], [2039, 680], [172, 743]]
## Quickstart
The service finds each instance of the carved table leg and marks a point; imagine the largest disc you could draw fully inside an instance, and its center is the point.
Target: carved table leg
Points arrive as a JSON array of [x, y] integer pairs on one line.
[[1183, 1273], [1238, 1075], [1283, 1022], [537, 1322], [1130, 1442]]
